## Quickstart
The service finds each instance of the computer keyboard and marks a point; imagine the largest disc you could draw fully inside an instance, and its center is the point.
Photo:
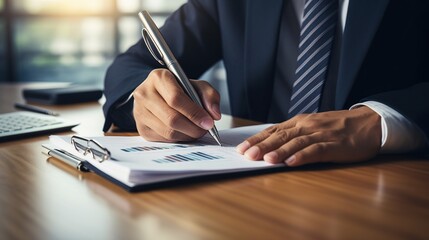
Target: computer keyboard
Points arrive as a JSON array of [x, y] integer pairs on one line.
[[27, 124]]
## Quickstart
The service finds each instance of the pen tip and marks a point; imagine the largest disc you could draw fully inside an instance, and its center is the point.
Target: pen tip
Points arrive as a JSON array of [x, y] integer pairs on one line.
[[215, 136]]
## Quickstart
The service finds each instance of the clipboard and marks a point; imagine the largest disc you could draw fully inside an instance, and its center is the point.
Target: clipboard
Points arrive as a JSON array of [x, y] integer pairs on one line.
[[138, 165]]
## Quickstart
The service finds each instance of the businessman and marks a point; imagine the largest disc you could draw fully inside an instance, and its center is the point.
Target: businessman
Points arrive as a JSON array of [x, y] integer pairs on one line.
[[344, 80]]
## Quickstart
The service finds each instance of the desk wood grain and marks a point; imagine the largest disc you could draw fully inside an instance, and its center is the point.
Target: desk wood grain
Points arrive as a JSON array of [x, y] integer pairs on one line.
[[41, 198]]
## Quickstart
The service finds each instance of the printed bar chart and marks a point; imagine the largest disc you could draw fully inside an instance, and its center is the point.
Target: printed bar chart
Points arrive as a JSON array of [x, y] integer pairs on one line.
[[158, 148], [189, 157]]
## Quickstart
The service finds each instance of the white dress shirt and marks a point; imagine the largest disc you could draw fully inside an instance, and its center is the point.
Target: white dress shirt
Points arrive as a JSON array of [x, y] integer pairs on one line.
[[399, 135]]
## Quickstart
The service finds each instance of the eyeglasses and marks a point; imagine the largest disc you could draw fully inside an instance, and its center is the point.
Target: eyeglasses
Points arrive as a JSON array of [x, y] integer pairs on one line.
[[85, 146]]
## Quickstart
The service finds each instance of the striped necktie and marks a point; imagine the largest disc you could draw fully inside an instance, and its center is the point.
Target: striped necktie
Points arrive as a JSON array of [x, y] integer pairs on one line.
[[316, 39]]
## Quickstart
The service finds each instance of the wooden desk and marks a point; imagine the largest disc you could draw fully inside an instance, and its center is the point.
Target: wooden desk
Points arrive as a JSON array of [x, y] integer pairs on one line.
[[386, 198]]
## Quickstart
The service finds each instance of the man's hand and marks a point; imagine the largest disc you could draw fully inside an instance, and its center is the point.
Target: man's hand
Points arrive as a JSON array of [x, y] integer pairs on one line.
[[164, 112], [338, 136]]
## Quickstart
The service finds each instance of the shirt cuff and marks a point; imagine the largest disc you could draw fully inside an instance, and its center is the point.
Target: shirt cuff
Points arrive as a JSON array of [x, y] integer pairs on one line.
[[398, 134], [125, 101], [122, 115]]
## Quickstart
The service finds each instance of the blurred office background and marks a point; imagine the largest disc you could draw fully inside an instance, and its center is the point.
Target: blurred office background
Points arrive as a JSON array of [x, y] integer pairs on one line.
[[69, 40], [74, 40]]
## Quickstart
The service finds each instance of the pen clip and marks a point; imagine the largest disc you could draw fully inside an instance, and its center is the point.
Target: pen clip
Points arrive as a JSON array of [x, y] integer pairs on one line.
[[145, 35]]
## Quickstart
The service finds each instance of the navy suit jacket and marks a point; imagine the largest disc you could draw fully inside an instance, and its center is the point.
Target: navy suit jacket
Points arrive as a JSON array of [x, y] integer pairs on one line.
[[384, 56]]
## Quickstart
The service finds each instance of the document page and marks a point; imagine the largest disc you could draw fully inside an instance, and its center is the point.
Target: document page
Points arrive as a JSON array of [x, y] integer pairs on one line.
[[133, 157]]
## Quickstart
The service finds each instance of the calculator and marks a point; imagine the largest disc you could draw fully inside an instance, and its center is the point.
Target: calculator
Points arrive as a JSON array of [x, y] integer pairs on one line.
[[16, 125]]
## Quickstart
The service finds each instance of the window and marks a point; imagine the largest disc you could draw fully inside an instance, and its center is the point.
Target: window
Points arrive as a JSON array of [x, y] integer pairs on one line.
[[2, 42], [63, 7], [2, 51], [70, 41], [66, 49]]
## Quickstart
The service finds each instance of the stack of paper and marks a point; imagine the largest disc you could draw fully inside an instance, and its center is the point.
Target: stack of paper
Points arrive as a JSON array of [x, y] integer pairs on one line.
[[135, 161]]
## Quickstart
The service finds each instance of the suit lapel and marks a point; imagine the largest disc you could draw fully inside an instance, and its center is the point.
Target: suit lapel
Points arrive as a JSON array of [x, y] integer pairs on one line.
[[363, 19], [262, 33]]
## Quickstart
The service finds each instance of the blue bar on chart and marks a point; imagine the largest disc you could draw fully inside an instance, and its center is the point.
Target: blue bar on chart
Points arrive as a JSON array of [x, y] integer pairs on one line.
[[158, 148], [189, 157]]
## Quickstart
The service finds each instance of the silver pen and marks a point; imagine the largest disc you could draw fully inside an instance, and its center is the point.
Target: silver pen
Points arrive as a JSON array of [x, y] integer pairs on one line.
[[150, 31], [67, 158], [35, 109]]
